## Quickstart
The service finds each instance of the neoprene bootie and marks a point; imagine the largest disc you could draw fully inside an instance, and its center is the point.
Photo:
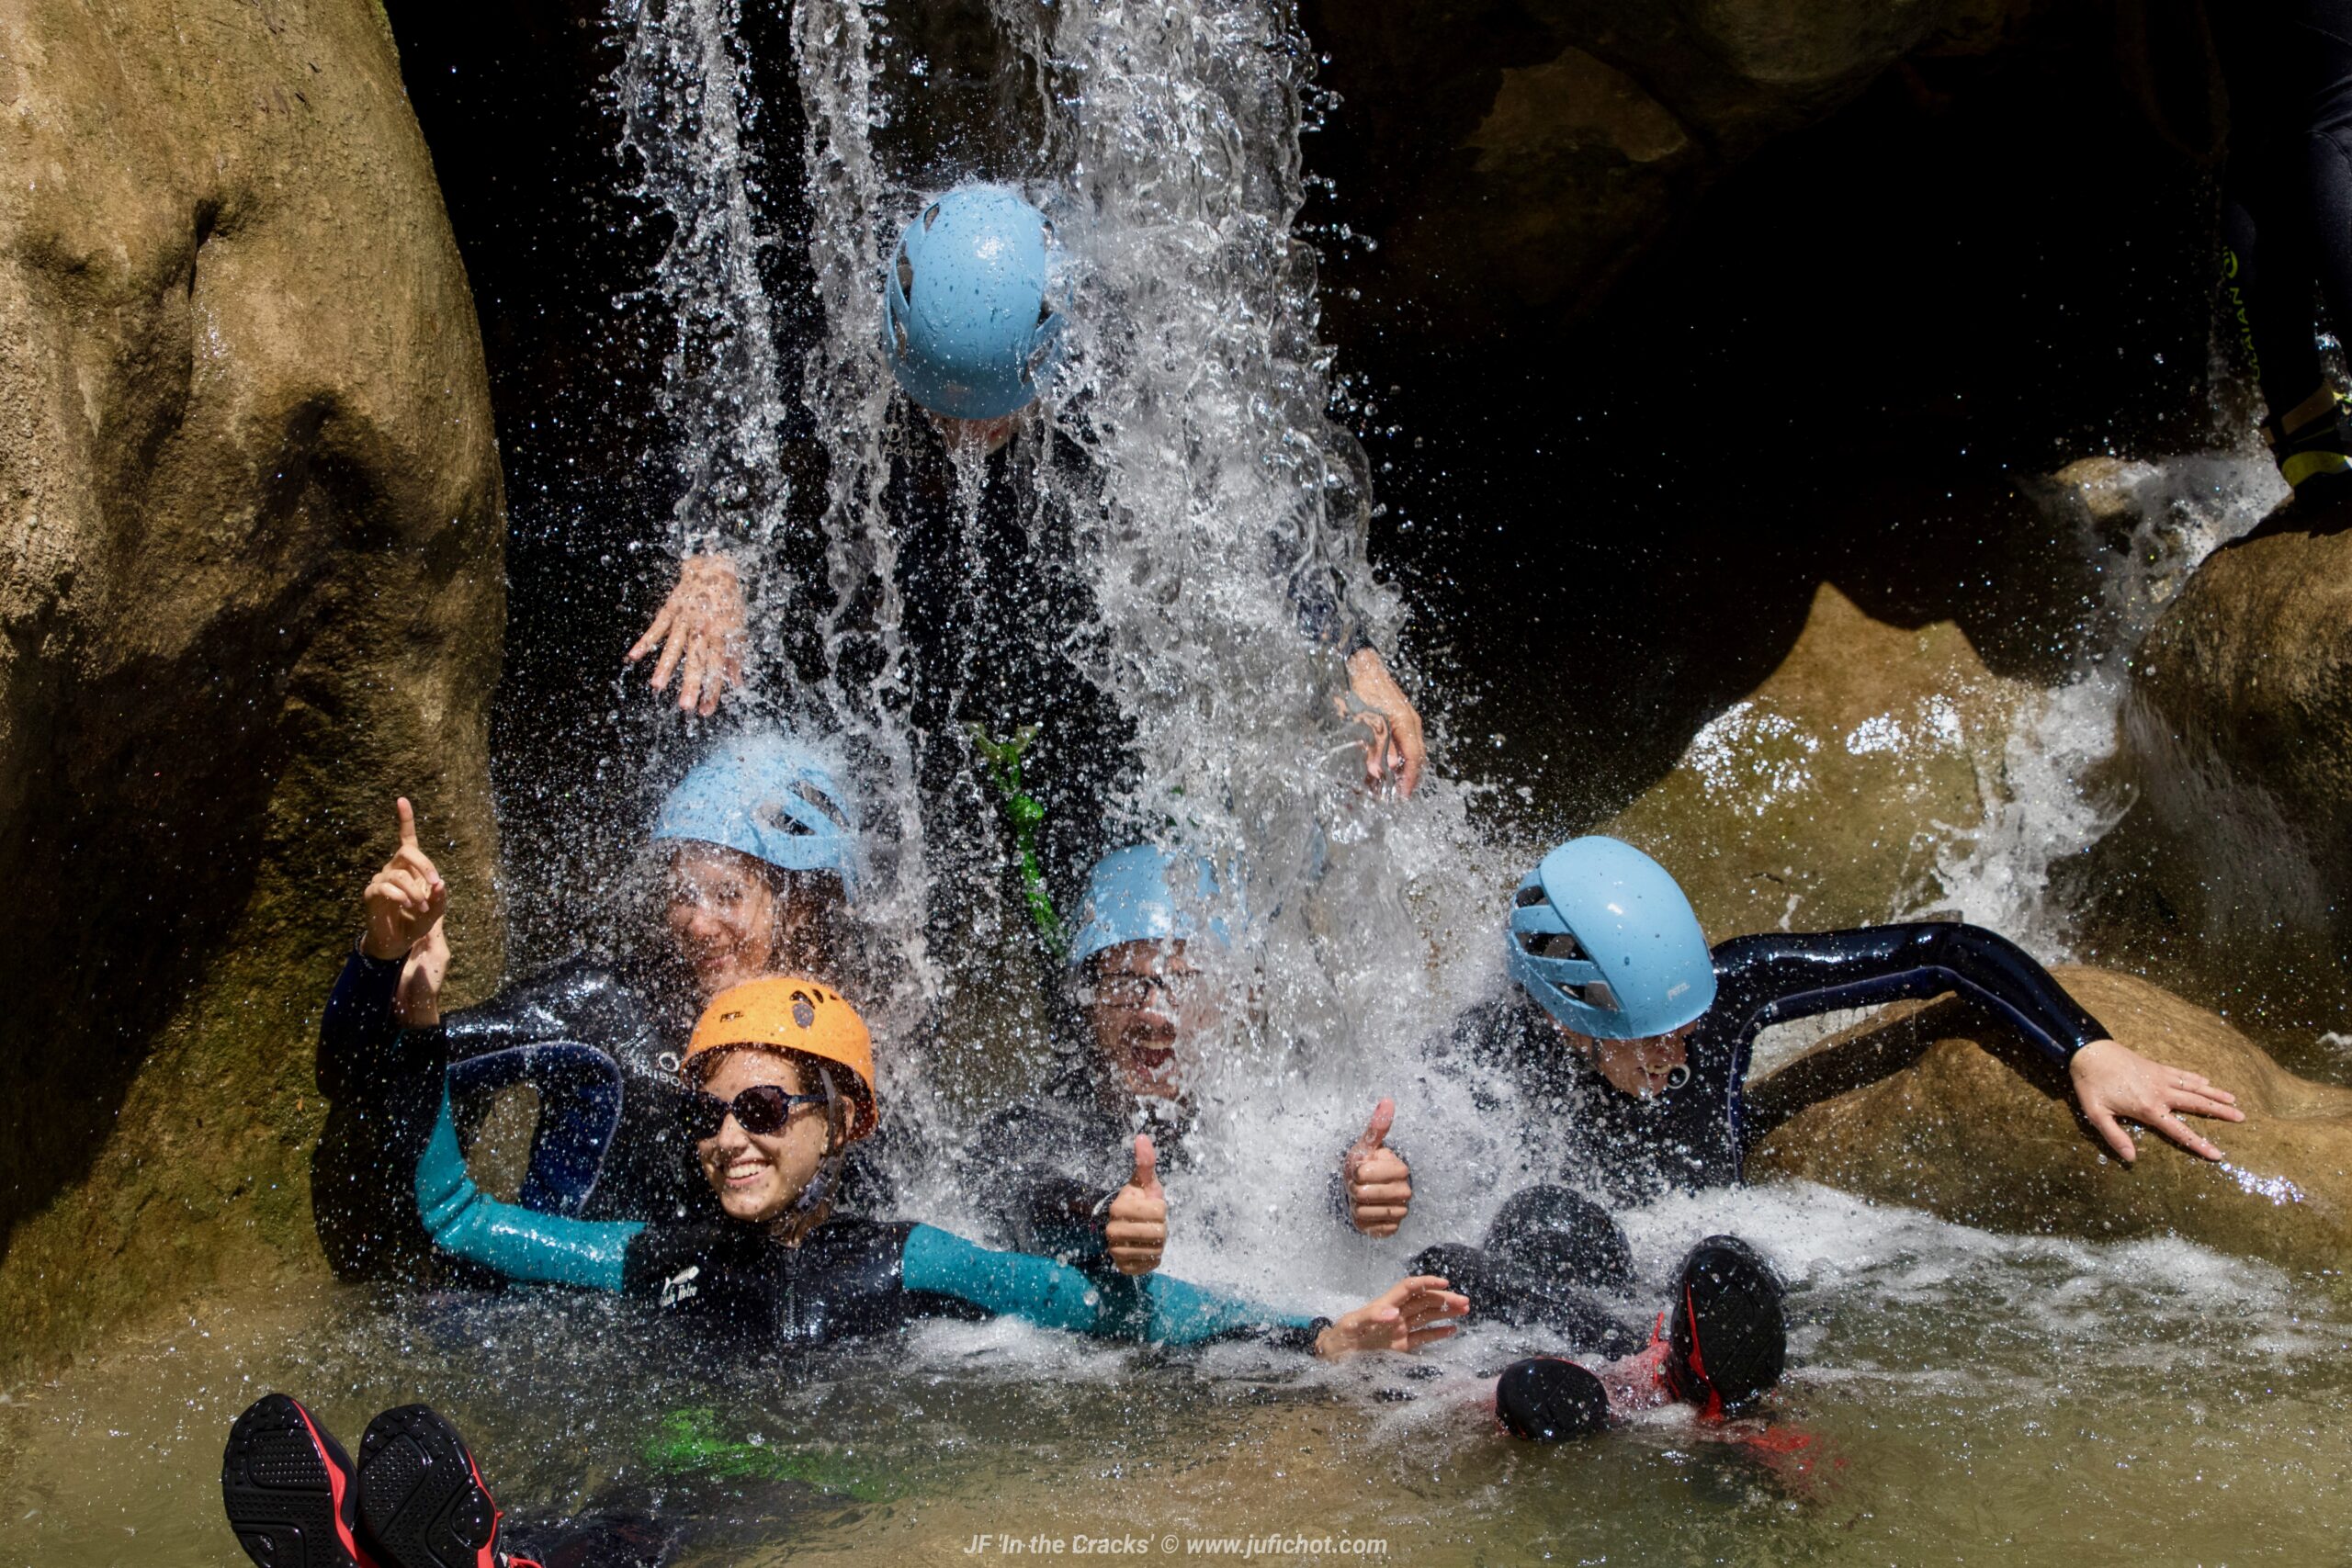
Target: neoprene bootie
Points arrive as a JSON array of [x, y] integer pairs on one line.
[[1727, 1339], [290, 1490], [2316, 460], [1545, 1398], [422, 1500], [1558, 1238]]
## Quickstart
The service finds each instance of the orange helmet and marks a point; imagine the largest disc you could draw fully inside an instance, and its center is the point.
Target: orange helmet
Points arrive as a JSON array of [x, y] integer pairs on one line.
[[791, 1014]]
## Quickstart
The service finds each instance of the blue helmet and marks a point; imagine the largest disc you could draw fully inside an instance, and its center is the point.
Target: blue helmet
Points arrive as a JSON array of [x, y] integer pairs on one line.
[[771, 797], [1127, 900], [967, 324], [1602, 936]]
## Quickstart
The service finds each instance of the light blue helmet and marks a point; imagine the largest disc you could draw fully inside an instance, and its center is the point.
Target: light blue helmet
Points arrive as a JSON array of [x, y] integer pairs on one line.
[[1127, 900], [1602, 936], [769, 796], [967, 321]]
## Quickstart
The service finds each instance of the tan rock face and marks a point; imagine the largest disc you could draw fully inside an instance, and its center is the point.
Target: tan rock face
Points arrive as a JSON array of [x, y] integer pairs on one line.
[[249, 496], [2237, 737], [1820, 801], [1943, 1107]]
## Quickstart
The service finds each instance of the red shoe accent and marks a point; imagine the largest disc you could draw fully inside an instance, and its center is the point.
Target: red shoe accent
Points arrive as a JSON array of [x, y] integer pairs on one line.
[[487, 1557], [337, 1484], [1714, 1409]]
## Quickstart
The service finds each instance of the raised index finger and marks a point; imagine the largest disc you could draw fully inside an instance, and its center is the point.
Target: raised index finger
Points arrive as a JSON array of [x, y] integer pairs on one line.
[[407, 815]]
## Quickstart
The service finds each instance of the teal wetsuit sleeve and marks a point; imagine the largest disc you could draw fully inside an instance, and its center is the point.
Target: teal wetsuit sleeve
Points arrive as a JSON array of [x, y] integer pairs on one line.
[[1054, 1295], [520, 1242]]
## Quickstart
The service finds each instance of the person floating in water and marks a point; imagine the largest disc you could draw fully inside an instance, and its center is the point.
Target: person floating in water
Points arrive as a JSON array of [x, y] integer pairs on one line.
[[761, 866], [2287, 220], [1635, 1035], [779, 1086], [1145, 1007], [970, 327]]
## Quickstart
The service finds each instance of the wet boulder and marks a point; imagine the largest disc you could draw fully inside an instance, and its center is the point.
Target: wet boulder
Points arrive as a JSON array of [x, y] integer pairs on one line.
[[2237, 741], [1824, 798], [1943, 1105], [253, 522]]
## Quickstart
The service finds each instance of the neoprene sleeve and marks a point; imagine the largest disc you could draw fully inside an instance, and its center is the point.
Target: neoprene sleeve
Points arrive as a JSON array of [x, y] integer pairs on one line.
[[1055, 1295], [520, 1242]]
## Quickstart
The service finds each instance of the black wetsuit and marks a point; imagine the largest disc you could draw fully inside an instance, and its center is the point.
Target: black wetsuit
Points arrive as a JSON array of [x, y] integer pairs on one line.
[[1051, 1165], [846, 1276], [607, 1145], [2287, 213], [1627, 1150]]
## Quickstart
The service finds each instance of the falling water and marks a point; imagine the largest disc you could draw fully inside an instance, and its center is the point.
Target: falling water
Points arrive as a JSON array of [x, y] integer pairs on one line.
[[685, 109], [2148, 525]]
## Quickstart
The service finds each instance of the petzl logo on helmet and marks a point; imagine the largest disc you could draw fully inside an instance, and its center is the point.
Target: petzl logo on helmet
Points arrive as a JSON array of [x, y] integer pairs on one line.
[[802, 1014]]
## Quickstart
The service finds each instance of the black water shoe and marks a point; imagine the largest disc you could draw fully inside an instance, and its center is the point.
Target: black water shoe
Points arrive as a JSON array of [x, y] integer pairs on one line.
[[1557, 1238], [290, 1489], [422, 1501], [1544, 1399], [1728, 1338]]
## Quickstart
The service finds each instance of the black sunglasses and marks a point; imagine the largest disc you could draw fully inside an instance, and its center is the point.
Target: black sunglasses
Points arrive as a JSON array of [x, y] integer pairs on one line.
[[760, 1109]]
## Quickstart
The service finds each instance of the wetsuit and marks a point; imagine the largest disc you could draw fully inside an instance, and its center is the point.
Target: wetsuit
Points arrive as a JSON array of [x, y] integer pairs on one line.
[[1051, 1165], [607, 1145], [847, 1277], [2287, 193], [1628, 1150]]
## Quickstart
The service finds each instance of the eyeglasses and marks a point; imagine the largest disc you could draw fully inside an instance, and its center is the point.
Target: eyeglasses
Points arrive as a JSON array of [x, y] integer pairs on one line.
[[760, 1109], [1137, 990]]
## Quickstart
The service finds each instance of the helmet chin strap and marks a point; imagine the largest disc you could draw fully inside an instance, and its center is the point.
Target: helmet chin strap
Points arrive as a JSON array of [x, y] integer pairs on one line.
[[809, 1209]]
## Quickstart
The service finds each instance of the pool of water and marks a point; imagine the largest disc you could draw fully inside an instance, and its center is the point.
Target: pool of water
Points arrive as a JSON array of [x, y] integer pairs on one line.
[[1956, 1397]]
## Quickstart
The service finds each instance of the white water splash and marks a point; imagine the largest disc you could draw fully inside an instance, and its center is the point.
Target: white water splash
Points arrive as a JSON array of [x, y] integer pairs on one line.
[[2045, 803]]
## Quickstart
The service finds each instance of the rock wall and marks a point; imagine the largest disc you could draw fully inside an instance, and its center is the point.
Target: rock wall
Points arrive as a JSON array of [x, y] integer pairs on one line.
[[251, 497], [1515, 158], [1944, 1107], [2237, 740], [1822, 798]]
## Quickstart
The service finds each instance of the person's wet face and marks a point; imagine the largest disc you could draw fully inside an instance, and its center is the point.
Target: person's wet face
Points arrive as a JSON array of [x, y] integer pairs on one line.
[[757, 1177], [1148, 1005], [735, 918], [988, 434], [1643, 1068]]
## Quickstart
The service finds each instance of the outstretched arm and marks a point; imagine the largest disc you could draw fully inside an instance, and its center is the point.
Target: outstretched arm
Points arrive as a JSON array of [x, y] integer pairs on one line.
[[1775, 977]]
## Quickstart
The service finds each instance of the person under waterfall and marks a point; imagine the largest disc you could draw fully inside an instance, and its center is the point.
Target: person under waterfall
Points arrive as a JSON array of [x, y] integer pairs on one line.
[[760, 866], [1076, 1168], [1636, 1034], [998, 623]]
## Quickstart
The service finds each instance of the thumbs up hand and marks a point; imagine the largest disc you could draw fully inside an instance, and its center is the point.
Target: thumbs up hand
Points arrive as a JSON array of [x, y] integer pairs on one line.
[[1138, 1227], [1380, 1184]]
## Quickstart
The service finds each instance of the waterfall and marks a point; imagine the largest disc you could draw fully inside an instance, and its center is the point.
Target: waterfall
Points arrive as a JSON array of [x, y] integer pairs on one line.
[[686, 107]]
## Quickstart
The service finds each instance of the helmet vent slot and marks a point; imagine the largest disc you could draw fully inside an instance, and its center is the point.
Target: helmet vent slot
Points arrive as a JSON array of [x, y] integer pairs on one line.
[[1595, 995], [1528, 898], [906, 275], [1555, 944], [930, 217], [828, 808]]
